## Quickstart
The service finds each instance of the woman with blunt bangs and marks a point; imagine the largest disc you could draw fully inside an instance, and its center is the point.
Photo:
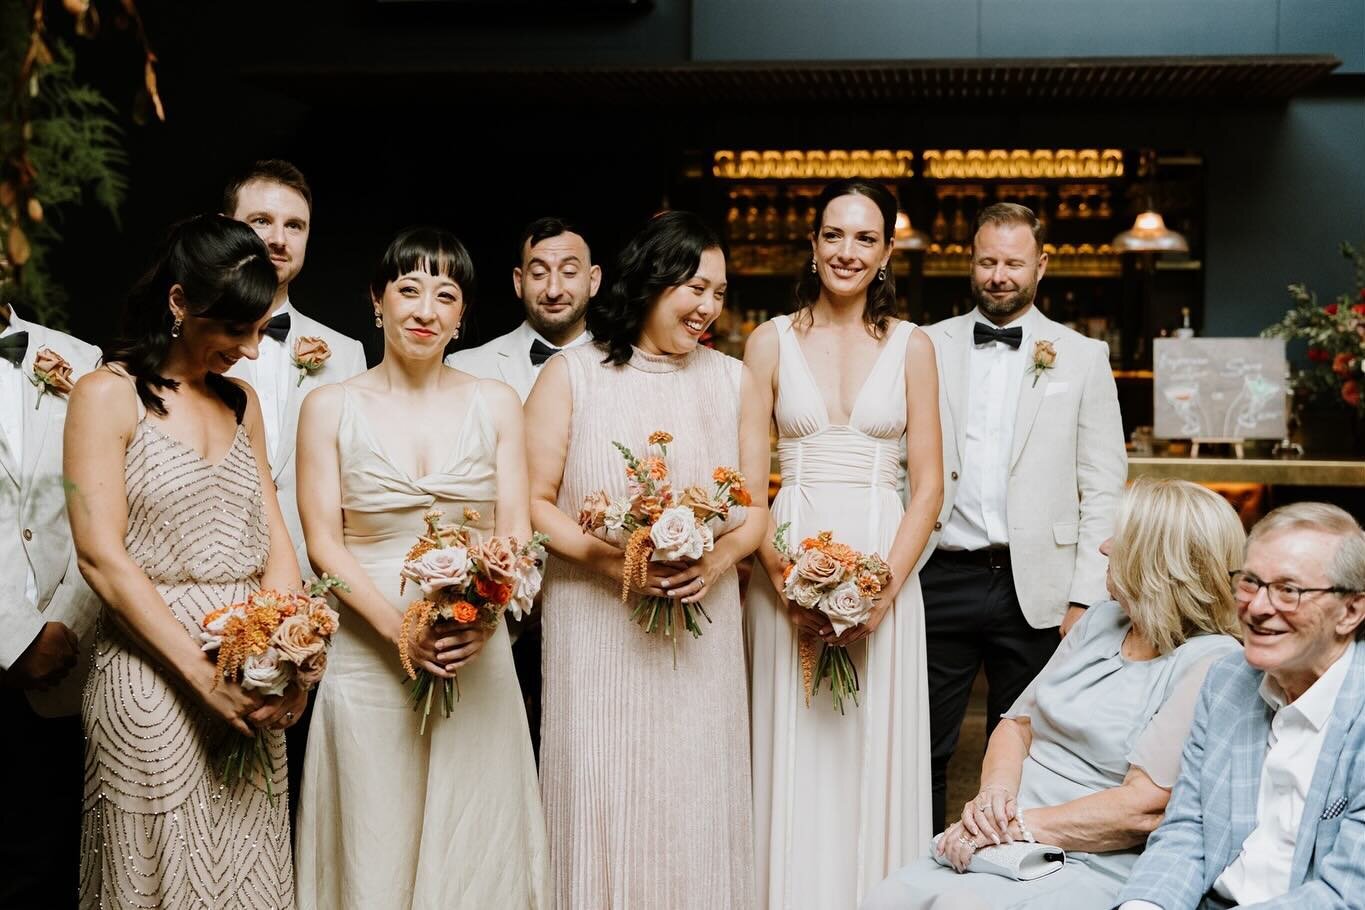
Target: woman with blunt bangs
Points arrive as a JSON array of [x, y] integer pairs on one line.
[[1086, 758], [850, 388], [173, 515], [644, 764], [391, 818]]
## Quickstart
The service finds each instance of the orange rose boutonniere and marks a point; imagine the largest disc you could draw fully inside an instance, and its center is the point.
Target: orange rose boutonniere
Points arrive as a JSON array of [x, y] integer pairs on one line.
[[1044, 357], [310, 354], [51, 373]]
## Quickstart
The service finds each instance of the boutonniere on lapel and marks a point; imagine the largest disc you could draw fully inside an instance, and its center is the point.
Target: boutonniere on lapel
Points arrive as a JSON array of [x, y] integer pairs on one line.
[[51, 373], [1044, 358], [310, 354]]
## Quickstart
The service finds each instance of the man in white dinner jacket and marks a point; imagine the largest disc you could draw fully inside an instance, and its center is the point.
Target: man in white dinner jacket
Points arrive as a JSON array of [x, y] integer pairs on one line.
[[1033, 465], [274, 199], [555, 279], [47, 619]]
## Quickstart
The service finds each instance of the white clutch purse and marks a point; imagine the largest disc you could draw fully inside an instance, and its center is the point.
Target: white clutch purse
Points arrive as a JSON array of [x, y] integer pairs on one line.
[[1021, 861]]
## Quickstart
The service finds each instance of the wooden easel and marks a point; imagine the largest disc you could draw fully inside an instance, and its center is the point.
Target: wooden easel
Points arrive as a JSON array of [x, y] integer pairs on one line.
[[1235, 442]]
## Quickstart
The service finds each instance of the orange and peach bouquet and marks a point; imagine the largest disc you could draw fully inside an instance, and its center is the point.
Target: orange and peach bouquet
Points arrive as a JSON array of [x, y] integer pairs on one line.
[[838, 581], [653, 523], [466, 582], [265, 643]]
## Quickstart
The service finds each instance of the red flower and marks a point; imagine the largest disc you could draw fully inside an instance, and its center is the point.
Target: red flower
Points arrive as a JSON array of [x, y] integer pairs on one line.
[[1318, 354], [1330, 309], [1350, 393], [493, 592], [1341, 364], [1358, 309]]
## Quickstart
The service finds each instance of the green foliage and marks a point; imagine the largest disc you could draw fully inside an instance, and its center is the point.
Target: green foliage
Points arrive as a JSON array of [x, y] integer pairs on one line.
[[1335, 333], [63, 134]]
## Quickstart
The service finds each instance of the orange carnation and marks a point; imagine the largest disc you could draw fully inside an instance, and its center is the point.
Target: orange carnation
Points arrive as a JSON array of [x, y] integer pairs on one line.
[[492, 592], [463, 611]]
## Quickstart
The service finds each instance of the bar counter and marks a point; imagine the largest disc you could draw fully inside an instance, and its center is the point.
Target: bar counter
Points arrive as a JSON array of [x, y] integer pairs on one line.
[[1316, 472]]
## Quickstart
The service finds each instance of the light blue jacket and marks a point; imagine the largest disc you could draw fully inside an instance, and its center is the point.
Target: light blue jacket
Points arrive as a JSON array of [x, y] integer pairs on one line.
[[1213, 806]]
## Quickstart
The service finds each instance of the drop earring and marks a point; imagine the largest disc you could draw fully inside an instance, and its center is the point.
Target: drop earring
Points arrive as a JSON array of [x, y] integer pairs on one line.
[[456, 335], [881, 274], [378, 320], [175, 327], [813, 269]]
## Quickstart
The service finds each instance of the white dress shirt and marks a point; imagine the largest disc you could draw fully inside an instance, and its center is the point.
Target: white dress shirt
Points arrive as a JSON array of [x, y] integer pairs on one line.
[[1261, 871], [12, 381], [270, 374], [994, 373]]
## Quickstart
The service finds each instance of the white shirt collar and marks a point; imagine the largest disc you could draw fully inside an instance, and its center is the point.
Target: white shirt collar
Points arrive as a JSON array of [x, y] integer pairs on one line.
[[288, 307], [583, 338], [1028, 321], [1316, 704], [15, 324]]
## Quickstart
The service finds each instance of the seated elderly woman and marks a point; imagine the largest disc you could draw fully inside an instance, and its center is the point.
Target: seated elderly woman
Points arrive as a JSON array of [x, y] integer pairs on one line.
[[1086, 758]]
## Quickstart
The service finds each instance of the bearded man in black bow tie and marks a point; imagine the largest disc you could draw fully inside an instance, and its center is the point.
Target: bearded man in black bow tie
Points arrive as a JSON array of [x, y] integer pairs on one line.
[[555, 279], [1033, 464]]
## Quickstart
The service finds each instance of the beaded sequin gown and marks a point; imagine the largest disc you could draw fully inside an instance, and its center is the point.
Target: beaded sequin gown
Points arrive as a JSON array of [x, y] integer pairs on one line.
[[644, 767], [159, 828]]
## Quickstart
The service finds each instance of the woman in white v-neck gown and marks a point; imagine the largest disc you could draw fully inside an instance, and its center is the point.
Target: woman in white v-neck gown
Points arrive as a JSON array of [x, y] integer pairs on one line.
[[840, 800]]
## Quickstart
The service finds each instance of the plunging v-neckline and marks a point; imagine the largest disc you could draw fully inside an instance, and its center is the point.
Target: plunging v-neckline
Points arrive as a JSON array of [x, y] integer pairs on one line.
[[379, 449], [815, 383], [201, 457]]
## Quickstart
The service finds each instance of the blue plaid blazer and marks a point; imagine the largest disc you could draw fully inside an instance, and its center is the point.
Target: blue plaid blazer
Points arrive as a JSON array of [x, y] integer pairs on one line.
[[1213, 806]]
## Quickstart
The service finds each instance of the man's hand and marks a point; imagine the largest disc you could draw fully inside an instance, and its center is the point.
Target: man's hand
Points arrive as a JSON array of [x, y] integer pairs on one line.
[[1073, 615], [48, 658]]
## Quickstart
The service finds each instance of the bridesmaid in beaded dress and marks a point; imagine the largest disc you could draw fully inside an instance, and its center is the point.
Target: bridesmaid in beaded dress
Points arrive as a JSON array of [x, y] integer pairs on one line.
[[644, 767], [173, 515]]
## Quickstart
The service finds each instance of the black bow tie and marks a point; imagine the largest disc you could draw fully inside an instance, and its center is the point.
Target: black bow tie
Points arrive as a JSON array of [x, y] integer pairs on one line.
[[278, 327], [541, 352], [985, 334], [14, 347]]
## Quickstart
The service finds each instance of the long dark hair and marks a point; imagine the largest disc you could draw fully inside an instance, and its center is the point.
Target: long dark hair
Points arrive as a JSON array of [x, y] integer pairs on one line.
[[881, 294], [665, 254], [225, 274]]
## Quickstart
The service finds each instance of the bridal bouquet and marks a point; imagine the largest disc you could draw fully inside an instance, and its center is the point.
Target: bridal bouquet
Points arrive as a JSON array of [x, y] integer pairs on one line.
[[823, 574], [652, 523], [465, 582], [266, 642]]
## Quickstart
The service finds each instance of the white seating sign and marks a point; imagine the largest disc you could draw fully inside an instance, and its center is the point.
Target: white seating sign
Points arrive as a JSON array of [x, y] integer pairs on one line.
[[1219, 388]]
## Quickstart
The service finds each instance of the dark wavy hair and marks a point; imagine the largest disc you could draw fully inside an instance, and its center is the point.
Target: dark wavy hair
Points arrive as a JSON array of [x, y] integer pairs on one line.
[[665, 254], [425, 249], [881, 294], [224, 272]]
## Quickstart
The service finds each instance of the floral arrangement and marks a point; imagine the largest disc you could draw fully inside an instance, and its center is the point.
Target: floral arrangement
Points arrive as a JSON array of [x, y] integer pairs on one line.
[[466, 582], [1335, 333], [310, 354], [266, 642], [51, 373], [653, 523], [835, 579]]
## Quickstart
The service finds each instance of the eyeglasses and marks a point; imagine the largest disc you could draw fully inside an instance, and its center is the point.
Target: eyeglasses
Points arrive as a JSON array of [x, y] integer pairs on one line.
[[1283, 596]]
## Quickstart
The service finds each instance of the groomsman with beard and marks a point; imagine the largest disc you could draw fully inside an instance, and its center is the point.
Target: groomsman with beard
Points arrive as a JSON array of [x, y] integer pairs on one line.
[[1033, 464], [297, 354], [555, 279], [47, 619]]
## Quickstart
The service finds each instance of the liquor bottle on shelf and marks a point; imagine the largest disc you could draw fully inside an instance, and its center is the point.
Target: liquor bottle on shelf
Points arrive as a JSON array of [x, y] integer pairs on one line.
[[1186, 330]]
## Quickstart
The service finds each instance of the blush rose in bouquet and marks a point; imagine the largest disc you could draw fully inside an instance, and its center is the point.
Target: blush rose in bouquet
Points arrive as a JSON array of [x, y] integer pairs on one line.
[[464, 581], [838, 581], [265, 643], [654, 523]]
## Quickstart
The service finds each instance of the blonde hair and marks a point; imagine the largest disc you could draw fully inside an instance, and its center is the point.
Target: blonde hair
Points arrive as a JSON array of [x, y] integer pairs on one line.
[[1174, 544]]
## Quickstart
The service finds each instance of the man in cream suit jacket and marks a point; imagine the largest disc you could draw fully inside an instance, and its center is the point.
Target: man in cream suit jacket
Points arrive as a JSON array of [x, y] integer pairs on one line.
[[274, 199], [47, 619], [1034, 463], [555, 279]]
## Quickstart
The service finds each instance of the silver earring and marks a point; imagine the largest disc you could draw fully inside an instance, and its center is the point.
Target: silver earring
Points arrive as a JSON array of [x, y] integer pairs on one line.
[[813, 269], [175, 327], [881, 274], [456, 335], [378, 320]]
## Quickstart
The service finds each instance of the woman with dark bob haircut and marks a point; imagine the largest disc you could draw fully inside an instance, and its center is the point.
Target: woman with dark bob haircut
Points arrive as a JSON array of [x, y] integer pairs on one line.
[[449, 818], [174, 515], [850, 388], [643, 763]]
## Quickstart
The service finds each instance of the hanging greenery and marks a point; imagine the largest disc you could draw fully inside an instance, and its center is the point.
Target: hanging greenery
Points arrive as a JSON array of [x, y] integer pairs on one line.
[[60, 146]]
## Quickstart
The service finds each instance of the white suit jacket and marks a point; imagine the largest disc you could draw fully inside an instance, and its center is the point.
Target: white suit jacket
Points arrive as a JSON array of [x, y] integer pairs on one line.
[[1067, 466], [506, 358], [347, 360], [37, 535]]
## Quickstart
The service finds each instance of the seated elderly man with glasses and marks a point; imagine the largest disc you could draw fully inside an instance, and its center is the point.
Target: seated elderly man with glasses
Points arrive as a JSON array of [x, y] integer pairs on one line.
[[1270, 806]]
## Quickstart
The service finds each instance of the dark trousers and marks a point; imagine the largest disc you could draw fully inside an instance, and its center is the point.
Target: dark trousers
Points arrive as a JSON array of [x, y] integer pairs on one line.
[[971, 617], [41, 762]]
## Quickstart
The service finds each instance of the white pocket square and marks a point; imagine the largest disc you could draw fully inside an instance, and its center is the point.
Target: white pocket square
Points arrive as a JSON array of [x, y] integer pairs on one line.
[[1054, 388]]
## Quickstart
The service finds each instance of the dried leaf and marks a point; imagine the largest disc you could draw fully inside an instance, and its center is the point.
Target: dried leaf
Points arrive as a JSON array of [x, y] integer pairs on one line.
[[42, 53], [149, 79], [35, 210], [18, 246]]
